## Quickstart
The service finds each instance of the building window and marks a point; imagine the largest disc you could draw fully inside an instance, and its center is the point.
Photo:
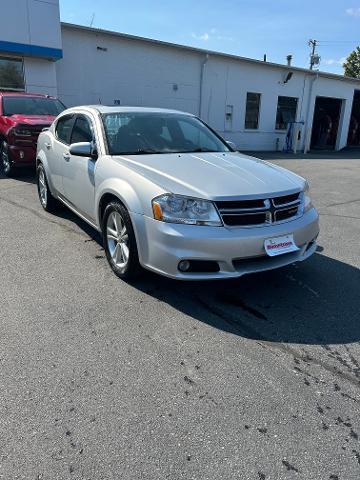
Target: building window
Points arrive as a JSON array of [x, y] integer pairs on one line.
[[252, 111], [286, 112], [11, 74]]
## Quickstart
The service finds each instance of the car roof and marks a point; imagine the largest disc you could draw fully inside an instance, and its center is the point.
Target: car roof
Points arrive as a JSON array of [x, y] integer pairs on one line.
[[117, 109]]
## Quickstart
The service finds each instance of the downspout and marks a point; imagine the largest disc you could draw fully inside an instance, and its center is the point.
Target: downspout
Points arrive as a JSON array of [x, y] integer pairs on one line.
[[202, 73], [307, 139]]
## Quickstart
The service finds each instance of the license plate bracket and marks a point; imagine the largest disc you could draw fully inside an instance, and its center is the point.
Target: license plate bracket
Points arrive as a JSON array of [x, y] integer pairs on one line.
[[280, 245]]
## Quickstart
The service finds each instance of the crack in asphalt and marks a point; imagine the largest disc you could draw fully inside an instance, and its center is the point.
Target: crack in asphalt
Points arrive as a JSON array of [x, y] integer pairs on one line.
[[343, 203], [249, 331], [335, 215], [44, 217]]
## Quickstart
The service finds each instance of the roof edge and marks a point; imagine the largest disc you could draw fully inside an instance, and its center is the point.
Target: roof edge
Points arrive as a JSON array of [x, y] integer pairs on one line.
[[127, 36]]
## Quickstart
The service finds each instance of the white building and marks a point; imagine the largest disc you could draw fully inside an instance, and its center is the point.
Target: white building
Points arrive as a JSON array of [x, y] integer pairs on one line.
[[248, 101]]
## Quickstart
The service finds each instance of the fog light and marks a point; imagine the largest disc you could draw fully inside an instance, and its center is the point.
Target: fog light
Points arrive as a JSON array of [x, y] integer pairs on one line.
[[22, 154], [184, 265]]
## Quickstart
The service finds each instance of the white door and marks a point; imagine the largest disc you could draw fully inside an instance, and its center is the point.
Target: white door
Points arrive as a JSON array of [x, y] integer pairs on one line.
[[79, 172], [57, 150]]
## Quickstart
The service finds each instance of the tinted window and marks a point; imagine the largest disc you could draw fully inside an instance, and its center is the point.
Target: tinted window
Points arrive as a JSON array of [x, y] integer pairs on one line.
[[286, 112], [139, 133], [82, 131], [32, 106], [63, 128], [252, 110], [11, 74]]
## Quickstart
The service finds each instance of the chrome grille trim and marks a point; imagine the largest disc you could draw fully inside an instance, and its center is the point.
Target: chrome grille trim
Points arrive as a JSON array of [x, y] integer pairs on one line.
[[274, 210]]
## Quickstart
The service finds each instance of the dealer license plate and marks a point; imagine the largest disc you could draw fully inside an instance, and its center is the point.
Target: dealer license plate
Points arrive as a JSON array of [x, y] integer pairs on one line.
[[280, 245]]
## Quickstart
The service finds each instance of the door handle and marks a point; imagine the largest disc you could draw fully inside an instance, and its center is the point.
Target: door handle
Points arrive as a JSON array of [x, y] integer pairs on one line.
[[48, 145], [66, 157]]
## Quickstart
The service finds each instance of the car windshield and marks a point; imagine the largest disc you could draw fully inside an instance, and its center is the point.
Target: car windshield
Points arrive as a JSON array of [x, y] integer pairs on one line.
[[31, 106], [135, 133]]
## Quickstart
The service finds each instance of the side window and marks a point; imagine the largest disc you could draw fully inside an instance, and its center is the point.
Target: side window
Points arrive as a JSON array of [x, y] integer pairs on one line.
[[286, 112], [252, 111], [82, 131], [63, 128]]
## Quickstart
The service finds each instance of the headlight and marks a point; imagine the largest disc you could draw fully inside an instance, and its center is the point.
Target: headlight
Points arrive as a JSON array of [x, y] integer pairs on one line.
[[22, 132], [190, 211], [306, 200]]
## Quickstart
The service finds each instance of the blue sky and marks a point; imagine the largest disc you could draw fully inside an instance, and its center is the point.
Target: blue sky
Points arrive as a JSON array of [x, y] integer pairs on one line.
[[247, 28]]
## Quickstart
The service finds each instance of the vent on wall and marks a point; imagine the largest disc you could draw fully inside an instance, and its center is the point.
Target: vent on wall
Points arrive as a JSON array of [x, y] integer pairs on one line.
[[101, 49]]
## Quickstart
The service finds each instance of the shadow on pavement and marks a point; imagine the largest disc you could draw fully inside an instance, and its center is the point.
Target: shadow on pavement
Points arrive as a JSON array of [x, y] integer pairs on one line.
[[316, 302], [26, 175]]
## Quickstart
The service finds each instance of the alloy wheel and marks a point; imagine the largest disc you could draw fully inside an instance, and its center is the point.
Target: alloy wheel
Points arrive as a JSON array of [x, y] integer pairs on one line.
[[42, 187], [5, 159], [117, 240]]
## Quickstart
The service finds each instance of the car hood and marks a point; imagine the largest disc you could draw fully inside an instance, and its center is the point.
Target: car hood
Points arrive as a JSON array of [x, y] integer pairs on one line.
[[214, 176], [33, 119]]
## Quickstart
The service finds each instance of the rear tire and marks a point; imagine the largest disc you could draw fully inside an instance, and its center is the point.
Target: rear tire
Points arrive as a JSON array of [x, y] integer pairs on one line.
[[7, 165], [48, 202], [120, 242]]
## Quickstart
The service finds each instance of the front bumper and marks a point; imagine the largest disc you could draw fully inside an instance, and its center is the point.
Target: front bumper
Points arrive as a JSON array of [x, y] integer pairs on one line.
[[23, 155], [238, 251]]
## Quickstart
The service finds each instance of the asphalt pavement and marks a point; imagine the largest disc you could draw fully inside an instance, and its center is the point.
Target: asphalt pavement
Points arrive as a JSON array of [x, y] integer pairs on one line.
[[256, 378]]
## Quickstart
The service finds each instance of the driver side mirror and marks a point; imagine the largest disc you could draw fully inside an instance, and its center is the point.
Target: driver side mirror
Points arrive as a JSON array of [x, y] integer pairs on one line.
[[84, 149], [232, 145]]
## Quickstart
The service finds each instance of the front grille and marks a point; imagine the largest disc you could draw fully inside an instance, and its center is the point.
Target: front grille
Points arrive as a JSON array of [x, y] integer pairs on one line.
[[285, 199], [37, 130], [245, 213], [245, 219], [285, 214], [29, 139]]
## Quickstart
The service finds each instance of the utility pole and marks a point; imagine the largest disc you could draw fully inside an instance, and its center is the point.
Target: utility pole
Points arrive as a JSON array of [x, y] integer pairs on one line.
[[312, 43]]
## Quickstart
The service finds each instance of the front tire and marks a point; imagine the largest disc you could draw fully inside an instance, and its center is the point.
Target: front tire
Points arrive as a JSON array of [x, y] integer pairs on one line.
[[48, 202], [6, 162], [120, 242]]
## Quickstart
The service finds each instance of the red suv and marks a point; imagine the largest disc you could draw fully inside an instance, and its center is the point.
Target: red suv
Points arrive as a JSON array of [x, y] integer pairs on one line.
[[22, 117]]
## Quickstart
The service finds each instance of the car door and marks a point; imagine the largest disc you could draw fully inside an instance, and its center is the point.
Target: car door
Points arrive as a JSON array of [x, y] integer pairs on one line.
[[58, 148], [79, 172]]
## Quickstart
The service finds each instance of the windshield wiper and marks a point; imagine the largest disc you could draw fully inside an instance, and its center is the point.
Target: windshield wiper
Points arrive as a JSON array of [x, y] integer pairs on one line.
[[198, 150], [140, 151]]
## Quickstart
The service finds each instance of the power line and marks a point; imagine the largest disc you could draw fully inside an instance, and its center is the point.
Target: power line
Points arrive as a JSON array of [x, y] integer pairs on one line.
[[337, 41]]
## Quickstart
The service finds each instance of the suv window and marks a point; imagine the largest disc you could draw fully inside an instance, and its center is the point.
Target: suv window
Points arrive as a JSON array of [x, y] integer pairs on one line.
[[82, 131], [63, 128], [27, 105]]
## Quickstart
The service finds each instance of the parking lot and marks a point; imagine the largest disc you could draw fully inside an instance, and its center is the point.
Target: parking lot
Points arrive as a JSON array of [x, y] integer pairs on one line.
[[256, 378]]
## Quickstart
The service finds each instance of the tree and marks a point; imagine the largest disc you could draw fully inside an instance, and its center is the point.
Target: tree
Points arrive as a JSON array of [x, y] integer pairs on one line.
[[352, 64]]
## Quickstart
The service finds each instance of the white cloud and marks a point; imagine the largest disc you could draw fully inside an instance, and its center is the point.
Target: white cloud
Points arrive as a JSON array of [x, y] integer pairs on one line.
[[204, 37], [213, 34], [353, 12], [333, 61]]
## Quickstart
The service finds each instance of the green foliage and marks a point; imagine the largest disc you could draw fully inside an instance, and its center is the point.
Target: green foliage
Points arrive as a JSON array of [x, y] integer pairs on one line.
[[352, 64]]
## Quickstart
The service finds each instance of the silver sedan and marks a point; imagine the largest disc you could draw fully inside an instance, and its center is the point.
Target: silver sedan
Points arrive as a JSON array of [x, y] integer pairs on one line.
[[169, 194]]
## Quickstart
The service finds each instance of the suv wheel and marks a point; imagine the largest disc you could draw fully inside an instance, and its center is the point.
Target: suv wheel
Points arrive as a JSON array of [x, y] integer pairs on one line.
[[120, 242], [6, 163], [48, 202]]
